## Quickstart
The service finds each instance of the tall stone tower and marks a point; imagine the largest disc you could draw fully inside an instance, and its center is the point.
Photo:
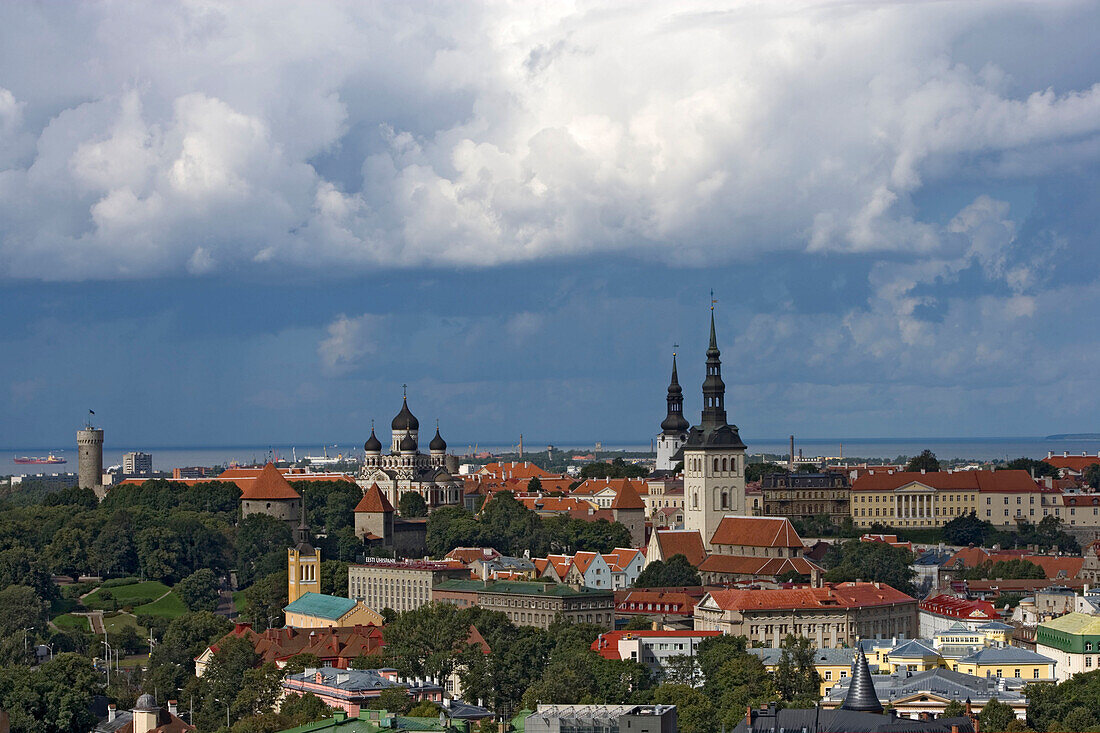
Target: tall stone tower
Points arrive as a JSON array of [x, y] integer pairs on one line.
[[89, 442], [714, 456], [674, 427], [303, 564]]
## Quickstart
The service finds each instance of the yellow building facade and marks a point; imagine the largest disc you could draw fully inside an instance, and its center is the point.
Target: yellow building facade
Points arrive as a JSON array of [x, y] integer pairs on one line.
[[303, 571]]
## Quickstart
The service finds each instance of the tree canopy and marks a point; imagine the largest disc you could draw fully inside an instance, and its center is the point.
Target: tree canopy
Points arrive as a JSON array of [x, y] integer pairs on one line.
[[677, 571], [618, 468], [412, 504], [870, 561], [926, 461]]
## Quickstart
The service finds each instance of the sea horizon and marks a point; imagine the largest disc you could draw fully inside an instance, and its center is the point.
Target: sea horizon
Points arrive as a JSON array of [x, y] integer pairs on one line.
[[948, 448]]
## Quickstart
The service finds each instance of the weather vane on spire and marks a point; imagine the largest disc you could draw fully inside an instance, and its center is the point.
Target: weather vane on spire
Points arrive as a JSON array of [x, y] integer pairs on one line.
[[712, 299], [674, 347], [405, 390]]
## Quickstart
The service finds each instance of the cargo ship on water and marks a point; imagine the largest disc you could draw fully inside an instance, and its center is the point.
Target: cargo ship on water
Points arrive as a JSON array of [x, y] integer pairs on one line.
[[50, 459]]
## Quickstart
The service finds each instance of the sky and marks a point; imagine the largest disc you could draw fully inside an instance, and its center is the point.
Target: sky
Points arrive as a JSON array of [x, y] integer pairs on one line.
[[235, 223]]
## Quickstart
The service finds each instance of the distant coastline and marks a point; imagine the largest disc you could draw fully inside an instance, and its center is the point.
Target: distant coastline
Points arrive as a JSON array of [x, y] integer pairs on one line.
[[1074, 436]]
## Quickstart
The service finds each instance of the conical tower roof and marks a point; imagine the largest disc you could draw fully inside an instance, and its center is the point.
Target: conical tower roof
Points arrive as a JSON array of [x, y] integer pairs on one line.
[[270, 484], [675, 423], [437, 444], [627, 498], [373, 444], [861, 692], [373, 502]]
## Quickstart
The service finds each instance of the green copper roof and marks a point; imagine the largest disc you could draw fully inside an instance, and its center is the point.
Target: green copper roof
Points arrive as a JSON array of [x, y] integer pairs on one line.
[[1074, 623], [519, 587], [321, 605]]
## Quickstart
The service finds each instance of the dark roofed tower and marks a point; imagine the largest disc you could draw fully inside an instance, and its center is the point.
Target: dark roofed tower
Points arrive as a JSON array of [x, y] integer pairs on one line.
[[714, 389], [674, 427], [861, 695], [714, 456]]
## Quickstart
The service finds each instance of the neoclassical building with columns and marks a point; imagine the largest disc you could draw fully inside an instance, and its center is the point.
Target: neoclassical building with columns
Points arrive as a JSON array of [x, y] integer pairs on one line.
[[406, 469]]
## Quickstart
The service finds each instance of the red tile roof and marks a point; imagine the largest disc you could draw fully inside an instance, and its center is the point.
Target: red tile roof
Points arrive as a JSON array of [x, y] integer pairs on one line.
[[756, 532], [677, 602], [517, 470], [1052, 565], [840, 595], [331, 644], [374, 501], [769, 566], [270, 484], [607, 643], [596, 485], [468, 555], [1073, 463], [621, 557], [983, 481], [960, 608], [627, 498], [681, 542]]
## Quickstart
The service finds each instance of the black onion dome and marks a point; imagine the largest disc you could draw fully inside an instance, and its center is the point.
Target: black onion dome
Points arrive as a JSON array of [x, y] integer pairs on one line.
[[408, 444], [405, 420], [437, 444], [373, 444]]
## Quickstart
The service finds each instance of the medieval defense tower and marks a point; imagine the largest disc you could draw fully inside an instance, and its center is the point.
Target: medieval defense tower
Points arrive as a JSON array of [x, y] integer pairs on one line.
[[89, 442]]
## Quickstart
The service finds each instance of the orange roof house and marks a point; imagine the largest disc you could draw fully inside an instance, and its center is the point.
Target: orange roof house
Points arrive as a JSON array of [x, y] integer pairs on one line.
[[664, 543], [1071, 464], [775, 532]]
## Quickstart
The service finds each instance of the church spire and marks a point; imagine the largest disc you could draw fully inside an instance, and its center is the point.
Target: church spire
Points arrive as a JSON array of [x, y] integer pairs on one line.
[[714, 389], [674, 423]]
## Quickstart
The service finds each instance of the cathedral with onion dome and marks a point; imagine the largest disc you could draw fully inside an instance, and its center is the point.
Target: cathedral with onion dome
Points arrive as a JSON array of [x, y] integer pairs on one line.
[[405, 468]]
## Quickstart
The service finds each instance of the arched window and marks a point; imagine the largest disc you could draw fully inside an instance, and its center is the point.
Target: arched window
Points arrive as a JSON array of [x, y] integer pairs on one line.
[[695, 501], [724, 464], [716, 465], [725, 500]]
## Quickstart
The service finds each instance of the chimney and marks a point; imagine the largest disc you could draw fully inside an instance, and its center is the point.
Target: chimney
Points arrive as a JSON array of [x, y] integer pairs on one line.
[[922, 472], [172, 707], [748, 715], [954, 729], [112, 710]]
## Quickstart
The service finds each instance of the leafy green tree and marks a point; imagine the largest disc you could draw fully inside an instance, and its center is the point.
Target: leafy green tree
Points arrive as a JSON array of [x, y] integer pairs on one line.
[[20, 565], [412, 504], [756, 471], [926, 461], [265, 600], [534, 485], [57, 698], [682, 669], [261, 544], [953, 709], [1015, 569], [516, 659], [68, 552], [877, 561], [638, 623], [113, 550], [426, 642], [694, 710], [300, 662], [334, 577], [160, 553], [72, 496], [796, 677], [199, 590], [618, 468], [127, 639], [424, 709], [1091, 475], [305, 708], [996, 716], [394, 700], [1038, 469], [21, 608], [676, 571], [967, 529], [1067, 706], [173, 659]]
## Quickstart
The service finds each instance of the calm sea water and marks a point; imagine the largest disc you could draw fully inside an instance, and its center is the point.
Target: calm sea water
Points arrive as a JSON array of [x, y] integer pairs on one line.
[[982, 449]]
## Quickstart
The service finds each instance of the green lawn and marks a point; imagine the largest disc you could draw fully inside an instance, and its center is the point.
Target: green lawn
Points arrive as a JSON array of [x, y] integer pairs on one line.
[[68, 621], [63, 605], [238, 600], [168, 607], [115, 623], [126, 595]]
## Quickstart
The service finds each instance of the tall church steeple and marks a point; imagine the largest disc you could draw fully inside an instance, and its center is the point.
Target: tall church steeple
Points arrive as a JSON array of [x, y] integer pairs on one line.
[[674, 423], [714, 389]]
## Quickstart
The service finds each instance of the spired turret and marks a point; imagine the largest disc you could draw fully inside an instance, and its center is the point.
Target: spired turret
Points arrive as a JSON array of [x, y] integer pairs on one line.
[[674, 422], [861, 695]]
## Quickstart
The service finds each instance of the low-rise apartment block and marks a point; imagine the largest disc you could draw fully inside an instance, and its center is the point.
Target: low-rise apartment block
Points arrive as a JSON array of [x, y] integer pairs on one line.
[[401, 585], [651, 648], [623, 718], [831, 616], [532, 603], [1072, 641]]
